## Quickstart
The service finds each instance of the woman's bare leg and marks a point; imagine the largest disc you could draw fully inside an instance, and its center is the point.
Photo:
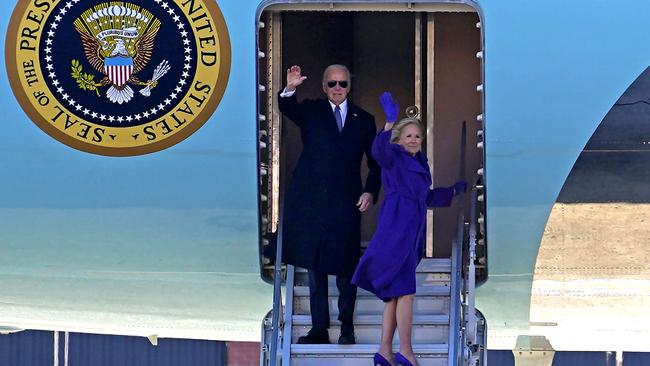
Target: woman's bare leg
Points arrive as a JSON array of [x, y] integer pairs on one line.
[[388, 325], [404, 314]]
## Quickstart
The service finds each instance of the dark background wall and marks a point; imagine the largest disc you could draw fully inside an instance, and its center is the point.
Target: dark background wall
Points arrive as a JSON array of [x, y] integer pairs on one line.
[[636, 359], [28, 348], [506, 358], [379, 49], [36, 348], [369, 43], [584, 359], [457, 72]]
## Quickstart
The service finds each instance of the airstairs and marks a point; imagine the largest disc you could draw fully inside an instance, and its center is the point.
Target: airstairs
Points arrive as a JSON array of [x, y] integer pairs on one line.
[[430, 322], [447, 329]]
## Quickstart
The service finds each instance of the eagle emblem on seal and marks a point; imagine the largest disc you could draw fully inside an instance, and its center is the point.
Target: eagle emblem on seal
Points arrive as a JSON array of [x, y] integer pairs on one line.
[[118, 41]]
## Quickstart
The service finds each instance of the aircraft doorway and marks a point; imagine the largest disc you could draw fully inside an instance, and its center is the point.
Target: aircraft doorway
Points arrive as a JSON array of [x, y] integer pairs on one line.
[[424, 58]]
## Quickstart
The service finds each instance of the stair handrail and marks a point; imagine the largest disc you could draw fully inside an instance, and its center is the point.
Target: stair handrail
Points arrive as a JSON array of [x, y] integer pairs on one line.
[[470, 280], [264, 349], [455, 321], [473, 344], [288, 315], [277, 287]]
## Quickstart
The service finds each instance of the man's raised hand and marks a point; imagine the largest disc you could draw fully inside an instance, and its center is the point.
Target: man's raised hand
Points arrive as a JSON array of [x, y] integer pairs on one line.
[[294, 78]]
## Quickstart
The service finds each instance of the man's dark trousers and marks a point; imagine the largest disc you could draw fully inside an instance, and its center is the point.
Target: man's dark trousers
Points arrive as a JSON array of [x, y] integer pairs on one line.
[[319, 303]]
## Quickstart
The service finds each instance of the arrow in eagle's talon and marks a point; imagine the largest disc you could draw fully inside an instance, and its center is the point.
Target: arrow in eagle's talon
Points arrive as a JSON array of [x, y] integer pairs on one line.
[[159, 72]]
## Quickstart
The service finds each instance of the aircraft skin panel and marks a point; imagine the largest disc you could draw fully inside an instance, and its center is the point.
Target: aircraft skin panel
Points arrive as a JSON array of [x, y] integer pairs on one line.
[[552, 71], [164, 243], [592, 262]]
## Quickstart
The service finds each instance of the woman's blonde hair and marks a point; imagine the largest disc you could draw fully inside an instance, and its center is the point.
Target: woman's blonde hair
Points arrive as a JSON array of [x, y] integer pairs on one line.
[[399, 126]]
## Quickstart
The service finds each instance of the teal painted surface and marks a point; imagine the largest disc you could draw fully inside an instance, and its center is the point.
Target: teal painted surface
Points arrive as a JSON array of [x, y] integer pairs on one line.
[[553, 70], [164, 243]]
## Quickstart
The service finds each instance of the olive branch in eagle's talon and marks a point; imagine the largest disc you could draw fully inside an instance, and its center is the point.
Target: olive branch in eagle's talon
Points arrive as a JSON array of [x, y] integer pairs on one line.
[[85, 81]]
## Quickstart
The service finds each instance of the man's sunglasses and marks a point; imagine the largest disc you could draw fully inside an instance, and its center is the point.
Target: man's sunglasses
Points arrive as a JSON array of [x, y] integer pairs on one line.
[[332, 83]]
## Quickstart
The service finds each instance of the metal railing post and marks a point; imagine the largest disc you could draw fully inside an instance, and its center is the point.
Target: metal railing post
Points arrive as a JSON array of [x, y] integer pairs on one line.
[[277, 289], [455, 300]]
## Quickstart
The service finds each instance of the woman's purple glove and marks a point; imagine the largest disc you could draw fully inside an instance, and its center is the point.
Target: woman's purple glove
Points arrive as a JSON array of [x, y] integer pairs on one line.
[[389, 104], [459, 187]]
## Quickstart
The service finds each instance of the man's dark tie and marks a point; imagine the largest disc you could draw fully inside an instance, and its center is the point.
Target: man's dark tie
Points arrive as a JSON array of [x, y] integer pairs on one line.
[[337, 116]]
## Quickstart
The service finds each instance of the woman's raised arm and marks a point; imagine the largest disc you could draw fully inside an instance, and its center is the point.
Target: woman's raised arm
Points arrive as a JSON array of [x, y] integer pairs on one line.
[[381, 149]]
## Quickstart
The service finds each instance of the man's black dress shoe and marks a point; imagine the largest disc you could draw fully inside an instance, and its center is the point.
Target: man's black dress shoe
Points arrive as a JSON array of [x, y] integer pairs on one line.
[[315, 337], [347, 334], [347, 338]]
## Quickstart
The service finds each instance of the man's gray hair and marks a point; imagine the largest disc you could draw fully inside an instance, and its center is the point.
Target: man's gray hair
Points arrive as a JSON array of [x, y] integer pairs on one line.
[[336, 67]]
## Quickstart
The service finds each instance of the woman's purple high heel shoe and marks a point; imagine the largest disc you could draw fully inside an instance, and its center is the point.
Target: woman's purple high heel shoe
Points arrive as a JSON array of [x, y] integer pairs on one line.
[[401, 360], [381, 360]]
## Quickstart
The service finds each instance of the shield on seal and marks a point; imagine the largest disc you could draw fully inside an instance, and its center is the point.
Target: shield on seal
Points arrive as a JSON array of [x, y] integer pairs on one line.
[[118, 69]]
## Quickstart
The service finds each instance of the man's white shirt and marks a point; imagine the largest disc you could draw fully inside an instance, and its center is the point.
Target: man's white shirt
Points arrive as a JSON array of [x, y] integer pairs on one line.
[[343, 106]]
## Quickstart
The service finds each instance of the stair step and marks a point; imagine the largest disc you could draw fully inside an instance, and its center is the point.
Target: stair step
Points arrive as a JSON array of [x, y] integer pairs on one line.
[[421, 279], [370, 305], [434, 265], [360, 354], [430, 265], [427, 329], [303, 291], [361, 350], [434, 360], [433, 319]]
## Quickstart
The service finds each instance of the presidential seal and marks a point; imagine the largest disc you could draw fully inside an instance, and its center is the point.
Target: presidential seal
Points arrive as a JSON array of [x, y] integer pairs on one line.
[[118, 78]]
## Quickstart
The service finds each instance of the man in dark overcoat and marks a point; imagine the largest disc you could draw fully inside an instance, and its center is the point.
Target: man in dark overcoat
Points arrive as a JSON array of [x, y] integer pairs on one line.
[[325, 199]]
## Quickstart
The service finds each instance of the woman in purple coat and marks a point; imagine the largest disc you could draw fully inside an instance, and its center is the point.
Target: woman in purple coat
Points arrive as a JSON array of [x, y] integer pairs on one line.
[[387, 268]]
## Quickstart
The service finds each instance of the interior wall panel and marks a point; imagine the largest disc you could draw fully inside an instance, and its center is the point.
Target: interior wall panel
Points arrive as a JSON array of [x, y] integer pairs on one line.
[[457, 73]]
